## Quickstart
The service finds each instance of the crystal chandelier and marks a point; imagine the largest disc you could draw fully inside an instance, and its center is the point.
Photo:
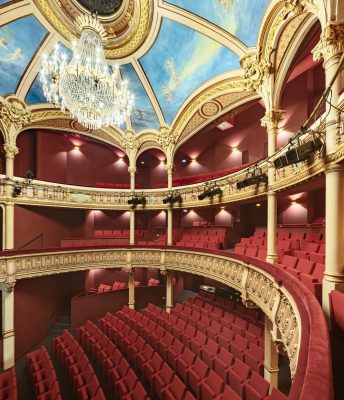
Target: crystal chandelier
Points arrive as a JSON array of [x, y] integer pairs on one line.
[[87, 87]]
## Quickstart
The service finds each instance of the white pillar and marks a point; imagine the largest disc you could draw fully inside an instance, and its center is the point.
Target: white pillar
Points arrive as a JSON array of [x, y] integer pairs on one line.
[[132, 172], [132, 225], [270, 356], [131, 285], [169, 226], [271, 120], [8, 338], [330, 49], [10, 153], [334, 259], [169, 291]]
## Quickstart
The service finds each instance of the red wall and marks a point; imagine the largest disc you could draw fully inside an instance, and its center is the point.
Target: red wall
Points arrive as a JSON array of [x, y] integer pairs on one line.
[[54, 223], [74, 160], [34, 300]]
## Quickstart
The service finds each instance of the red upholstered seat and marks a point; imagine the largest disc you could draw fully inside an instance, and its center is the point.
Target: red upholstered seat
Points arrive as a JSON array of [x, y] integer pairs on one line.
[[197, 375], [237, 376], [212, 386], [257, 388], [184, 363], [222, 362], [162, 380]]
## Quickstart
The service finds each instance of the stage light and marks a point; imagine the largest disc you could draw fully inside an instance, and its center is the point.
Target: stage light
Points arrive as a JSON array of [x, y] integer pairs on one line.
[[298, 153], [173, 198], [136, 200], [210, 192], [253, 178], [29, 175]]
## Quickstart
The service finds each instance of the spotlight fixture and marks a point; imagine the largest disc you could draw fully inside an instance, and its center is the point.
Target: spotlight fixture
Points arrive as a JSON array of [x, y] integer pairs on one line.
[[173, 198], [253, 178], [298, 153], [17, 189], [210, 192], [136, 200]]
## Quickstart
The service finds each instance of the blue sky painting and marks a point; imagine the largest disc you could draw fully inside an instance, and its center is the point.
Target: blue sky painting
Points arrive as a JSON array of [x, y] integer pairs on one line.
[[4, 2], [241, 18], [143, 115], [19, 41], [181, 60], [35, 94]]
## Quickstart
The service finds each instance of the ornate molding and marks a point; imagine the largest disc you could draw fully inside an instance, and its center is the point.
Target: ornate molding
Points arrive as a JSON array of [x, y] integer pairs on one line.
[[13, 114], [331, 42], [126, 31], [256, 71]]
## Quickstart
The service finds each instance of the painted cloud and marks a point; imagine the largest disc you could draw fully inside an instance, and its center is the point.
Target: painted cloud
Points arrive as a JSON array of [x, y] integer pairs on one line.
[[181, 60], [19, 41], [241, 18]]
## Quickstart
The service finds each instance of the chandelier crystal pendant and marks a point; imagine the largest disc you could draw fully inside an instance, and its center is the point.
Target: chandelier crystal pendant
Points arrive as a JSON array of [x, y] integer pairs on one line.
[[93, 93]]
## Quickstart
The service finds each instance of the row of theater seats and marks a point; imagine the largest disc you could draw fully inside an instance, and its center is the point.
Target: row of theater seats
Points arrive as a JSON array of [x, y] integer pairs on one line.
[[110, 359], [309, 245], [187, 180], [307, 271], [80, 372], [190, 353], [102, 288], [203, 238], [42, 375], [300, 253], [8, 385]]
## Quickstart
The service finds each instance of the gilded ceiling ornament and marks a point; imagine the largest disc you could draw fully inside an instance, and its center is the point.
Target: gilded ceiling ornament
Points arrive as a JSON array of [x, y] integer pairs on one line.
[[166, 137], [256, 71], [272, 118], [331, 42], [126, 29], [13, 113]]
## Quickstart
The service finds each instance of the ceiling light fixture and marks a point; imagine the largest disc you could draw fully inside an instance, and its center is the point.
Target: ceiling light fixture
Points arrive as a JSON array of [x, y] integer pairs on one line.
[[184, 161], [87, 87]]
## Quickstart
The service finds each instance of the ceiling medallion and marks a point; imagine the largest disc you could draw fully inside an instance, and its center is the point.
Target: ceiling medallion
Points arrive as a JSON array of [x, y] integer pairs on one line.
[[127, 27], [87, 87]]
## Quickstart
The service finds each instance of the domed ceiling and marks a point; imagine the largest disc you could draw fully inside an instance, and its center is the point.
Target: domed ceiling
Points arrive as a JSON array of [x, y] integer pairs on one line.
[[167, 50]]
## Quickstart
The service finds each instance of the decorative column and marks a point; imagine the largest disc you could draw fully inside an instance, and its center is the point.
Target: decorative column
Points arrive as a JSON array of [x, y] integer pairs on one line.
[[10, 153], [169, 226], [132, 171], [131, 286], [271, 121], [169, 291], [270, 355], [8, 337], [330, 48]]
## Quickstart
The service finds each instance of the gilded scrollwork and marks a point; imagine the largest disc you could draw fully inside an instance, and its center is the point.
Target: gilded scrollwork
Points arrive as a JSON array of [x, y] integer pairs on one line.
[[331, 42]]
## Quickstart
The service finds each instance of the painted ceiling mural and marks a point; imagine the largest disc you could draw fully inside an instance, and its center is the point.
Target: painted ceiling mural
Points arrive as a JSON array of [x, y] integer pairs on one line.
[[241, 18], [143, 115], [17, 47], [181, 60]]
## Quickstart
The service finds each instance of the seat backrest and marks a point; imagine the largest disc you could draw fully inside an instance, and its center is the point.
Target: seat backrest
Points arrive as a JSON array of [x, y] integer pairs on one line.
[[231, 394], [305, 266], [200, 368], [201, 337], [177, 387], [311, 247], [225, 356], [215, 382], [240, 342], [260, 384], [241, 369], [289, 261], [318, 271], [188, 356], [166, 373], [277, 395], [156, 361]]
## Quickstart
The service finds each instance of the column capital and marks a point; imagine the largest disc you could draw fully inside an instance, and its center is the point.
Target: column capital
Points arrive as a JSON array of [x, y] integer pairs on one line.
[[10, 286], [272, 118], [333, 168], [331, 43], [169, 167], [10, 151]]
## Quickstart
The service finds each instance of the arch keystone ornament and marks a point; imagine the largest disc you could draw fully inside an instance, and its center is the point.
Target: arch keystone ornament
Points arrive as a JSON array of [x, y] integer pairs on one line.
[[256, 71]]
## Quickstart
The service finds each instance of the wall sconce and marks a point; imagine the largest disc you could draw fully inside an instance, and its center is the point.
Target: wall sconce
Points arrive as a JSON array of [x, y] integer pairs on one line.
[[258, 205]]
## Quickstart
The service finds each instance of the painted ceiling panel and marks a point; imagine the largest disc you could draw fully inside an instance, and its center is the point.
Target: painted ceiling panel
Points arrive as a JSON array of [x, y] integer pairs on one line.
[[35, 94], [181, 60], [241, 18], [4, 2], [19, 40], [143, 115]]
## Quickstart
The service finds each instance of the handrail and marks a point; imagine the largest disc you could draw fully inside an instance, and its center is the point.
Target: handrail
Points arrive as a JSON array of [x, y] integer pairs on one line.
[[41, 235], [283, 297]]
